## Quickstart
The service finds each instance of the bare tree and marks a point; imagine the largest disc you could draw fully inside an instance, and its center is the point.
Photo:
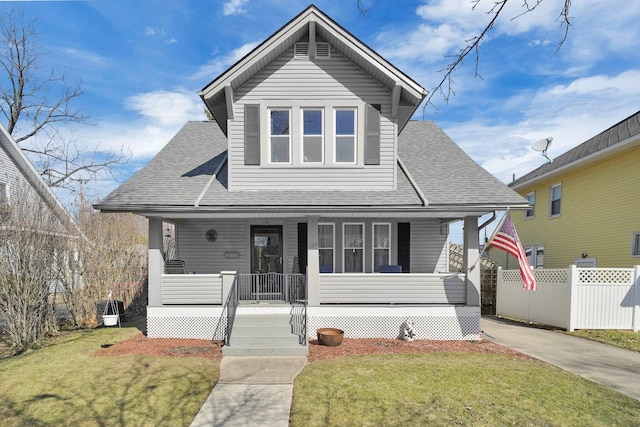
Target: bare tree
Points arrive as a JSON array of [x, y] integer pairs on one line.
[[36, 101], [444, 87], [33, 242], [113, 257]]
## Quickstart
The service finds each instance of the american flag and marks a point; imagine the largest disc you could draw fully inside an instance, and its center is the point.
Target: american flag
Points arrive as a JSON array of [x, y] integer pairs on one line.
[[506, 238]]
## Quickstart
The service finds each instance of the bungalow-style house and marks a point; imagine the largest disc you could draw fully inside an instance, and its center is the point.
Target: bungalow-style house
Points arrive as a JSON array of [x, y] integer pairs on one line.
[[314, 199], [585, 206]]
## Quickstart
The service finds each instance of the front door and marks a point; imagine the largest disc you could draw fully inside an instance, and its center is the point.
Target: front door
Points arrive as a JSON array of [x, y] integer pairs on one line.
[[266, 248]]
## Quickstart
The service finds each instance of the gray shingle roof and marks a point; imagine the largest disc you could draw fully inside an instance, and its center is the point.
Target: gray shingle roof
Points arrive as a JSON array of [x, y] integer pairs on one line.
[[617, 133], [175, 178], [446, 174]]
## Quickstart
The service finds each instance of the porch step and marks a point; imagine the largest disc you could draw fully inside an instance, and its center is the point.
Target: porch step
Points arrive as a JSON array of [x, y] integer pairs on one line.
[[263, 335]]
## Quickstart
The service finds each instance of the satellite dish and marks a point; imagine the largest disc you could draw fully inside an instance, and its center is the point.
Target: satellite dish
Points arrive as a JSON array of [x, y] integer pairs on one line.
[[542, 146]]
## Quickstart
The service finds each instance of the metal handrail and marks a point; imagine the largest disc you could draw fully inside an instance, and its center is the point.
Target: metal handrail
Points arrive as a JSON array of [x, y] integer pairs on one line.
[[228, 314], [231, 306]]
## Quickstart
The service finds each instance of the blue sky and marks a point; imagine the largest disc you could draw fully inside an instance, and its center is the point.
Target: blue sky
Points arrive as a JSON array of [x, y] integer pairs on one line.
[[142, 63]]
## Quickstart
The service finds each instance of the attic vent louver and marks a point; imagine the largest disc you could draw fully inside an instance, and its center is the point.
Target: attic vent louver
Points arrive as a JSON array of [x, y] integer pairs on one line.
[[301, 50], [323, 50]]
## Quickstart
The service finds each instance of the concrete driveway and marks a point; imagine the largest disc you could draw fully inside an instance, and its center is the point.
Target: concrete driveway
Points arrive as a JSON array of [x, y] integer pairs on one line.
[[610, 366]]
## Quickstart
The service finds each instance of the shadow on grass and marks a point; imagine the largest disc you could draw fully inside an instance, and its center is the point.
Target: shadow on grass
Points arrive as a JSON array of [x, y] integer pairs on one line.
[[75, 388]]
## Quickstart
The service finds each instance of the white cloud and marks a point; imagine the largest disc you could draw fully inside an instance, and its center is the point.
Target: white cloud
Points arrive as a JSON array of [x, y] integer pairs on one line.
[[164, 108], [570, 113], [218, 64], [234, 7]]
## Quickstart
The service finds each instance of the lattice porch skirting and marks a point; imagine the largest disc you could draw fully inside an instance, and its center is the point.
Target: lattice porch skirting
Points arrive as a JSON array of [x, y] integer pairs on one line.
[[430, 323]]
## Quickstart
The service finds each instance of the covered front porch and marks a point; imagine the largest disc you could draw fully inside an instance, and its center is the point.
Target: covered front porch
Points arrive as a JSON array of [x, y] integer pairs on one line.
[[442, 304]]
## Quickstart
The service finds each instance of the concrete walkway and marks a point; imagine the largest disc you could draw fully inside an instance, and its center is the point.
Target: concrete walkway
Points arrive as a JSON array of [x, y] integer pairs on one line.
[[252, 391], [612, 367]]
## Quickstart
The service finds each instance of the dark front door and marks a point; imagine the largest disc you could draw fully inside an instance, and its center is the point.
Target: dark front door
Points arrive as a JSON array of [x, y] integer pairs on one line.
[[266, 248]]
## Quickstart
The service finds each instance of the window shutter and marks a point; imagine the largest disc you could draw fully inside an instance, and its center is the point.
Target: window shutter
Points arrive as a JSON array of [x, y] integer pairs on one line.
[[251, 134], [372, 137]]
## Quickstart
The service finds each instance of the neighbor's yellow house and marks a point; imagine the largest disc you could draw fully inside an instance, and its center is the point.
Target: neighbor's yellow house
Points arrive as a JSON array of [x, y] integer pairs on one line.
[[585, 205]]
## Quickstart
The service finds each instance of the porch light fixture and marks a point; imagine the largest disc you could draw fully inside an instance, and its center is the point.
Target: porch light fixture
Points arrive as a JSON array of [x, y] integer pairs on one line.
[[211, 235]]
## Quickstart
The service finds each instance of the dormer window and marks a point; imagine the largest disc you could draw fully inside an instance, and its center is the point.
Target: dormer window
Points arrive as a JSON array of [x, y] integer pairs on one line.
[[312, 135], [301, 133], [280, 135], [345, 134]]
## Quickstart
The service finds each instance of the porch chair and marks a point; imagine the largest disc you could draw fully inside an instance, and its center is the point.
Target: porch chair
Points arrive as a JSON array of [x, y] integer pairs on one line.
[[174, 266], [390, 269]]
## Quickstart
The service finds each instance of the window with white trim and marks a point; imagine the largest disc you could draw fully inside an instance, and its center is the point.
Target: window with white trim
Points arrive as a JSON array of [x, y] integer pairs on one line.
[[353, 244], [4, 194], [381, 245], [345, 135], [312, 135], [531, 198], [280, 135], [635, 244], [555, 193], [326, 238]]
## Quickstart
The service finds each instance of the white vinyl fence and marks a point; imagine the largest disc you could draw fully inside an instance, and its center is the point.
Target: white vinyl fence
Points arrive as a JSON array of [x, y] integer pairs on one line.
[[573, 298]]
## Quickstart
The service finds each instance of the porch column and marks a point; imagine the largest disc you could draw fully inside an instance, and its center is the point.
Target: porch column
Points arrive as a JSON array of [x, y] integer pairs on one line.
[[471, 263], [156, 262], [313, 263]]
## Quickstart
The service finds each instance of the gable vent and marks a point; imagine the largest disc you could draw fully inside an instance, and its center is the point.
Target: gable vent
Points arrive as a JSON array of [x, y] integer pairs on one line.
[[323, 50], [301, 50]]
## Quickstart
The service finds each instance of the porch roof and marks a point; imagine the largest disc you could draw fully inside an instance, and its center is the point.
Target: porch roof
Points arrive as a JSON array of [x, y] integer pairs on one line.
[[177, 180]]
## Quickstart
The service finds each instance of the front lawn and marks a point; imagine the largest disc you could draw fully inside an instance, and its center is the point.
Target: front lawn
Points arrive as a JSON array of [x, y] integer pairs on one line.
[[64, 384], [624, 339], [445, 388]]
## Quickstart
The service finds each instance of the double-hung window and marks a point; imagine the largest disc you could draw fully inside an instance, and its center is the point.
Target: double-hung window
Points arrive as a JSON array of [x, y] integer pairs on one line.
[[556, 198], [353, 244], [280, 135], [381, 245], [345, 135], [312, 135], [4, 194], [531, 198], [325, 247]]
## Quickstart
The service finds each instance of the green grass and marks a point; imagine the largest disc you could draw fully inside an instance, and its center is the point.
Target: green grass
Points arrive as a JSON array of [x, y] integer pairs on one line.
[[443, 389], [625, 339], [64, 385]]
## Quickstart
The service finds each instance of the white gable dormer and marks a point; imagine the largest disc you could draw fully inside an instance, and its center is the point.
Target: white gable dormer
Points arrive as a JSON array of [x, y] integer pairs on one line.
[[312, 108]]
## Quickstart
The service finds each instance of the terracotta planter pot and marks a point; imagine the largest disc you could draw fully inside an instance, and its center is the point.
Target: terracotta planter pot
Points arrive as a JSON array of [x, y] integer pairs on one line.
[[330, 336]]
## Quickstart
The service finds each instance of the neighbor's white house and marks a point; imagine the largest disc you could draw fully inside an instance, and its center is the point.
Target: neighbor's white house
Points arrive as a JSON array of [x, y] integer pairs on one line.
[[312, 200], [22, 188]]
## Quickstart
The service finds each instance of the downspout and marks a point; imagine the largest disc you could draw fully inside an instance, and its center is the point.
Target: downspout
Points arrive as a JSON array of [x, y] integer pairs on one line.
[[213, 177], [489, 221], [422, 197]]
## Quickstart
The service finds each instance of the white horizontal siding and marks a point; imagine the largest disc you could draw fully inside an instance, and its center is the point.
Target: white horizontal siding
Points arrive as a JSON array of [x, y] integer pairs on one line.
[[392, 288], [191, 289], [334, 79]]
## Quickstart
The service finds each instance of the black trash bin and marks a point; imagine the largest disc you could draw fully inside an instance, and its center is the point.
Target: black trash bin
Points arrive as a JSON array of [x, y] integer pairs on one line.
[[100, 305]]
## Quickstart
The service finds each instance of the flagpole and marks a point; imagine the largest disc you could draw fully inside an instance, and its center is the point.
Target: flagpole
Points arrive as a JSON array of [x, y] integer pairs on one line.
[[488, 241], [495, 231]]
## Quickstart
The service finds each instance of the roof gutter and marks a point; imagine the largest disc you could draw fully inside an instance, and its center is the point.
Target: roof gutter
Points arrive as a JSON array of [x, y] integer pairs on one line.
[[413, 183], [213, 177]]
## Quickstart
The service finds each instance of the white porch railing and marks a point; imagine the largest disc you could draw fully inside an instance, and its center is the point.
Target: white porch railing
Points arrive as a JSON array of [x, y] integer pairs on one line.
[[271, 287], [573, 298], [379, 288], [196, 289]]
